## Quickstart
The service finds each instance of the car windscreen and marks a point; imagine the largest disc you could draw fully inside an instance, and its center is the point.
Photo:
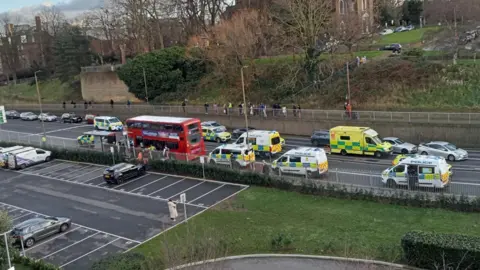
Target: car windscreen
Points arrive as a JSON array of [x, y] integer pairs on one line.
[[451, 147], [275, 140], [113, 120], [215, 124], [398, 141], [217, 130], [376, 140]]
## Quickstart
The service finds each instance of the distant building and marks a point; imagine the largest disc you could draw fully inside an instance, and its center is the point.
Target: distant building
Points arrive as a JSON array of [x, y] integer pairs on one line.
[[363, 9]]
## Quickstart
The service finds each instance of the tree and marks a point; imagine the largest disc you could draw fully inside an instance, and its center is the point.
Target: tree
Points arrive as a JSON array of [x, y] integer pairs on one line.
[[9, 47], [389, 10], [53, 20], [166, 71], [5, 226], [348, 30], [72, 52], [411, 11]]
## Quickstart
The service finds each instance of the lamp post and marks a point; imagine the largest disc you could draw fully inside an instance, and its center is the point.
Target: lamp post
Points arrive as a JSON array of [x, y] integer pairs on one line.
[[145, 83], [244, 103], [44, 138]]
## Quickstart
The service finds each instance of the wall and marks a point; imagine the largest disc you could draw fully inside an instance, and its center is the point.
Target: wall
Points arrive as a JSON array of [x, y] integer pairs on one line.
[[105, 85], [464, 135]]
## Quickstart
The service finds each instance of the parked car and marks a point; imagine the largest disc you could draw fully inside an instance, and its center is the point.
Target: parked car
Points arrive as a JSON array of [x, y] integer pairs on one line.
[[89, 118], [386, 31], [320, 138], [410, 27], [443, 149], [35, 229], [239, 131], [122, 172], [12, 114], [401, 147], [71, 118], [213, 124], [28, 116], [401, 29], [395, 47], [47, 117]]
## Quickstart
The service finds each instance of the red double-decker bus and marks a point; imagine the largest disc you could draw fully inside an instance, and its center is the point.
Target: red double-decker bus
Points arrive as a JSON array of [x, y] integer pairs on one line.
[[180, 135]]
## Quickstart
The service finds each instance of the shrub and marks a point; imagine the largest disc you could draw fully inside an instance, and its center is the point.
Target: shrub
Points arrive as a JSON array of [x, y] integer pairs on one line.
[[281, 242], [121, 261], [33, 263], [441, 251], [417, 52]]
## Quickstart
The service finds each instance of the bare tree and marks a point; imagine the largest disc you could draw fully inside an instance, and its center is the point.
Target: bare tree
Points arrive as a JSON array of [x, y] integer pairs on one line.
[[53, 20], [348, 30], [9, 47]]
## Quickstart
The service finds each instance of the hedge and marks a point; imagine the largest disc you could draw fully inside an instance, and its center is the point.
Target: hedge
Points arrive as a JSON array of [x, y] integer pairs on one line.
[[397, 197], [33, 263], [430, 250]]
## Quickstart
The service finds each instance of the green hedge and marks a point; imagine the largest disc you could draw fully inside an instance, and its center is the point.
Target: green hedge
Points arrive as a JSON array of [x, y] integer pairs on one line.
[[441, 251], [33, 263]]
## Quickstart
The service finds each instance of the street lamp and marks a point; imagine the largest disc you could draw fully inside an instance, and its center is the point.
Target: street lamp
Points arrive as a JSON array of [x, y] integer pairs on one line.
[[44, 138], [145, 83], [244, 103]]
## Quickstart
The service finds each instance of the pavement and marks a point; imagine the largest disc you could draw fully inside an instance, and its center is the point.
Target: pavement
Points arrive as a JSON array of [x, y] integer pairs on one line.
[[106, 219]]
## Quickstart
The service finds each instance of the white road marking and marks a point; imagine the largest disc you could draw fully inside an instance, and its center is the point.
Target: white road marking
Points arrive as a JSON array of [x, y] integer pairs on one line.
[[88, 253], [57, 169], [128, 182], [85, 174], [81, 168], [196, 178], [53, 253], [166, 187], [148, 184], [205, 194], [103, 184], [46, 168], [53, 238], [183, 191], [62, 129], [21, 216], [463, 183]]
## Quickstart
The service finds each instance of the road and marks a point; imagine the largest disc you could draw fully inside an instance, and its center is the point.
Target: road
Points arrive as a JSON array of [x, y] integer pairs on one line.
[[349, 169]]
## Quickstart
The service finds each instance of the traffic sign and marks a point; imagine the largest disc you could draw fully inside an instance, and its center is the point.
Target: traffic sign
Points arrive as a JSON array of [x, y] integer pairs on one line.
[[183, 198], [3, 117]]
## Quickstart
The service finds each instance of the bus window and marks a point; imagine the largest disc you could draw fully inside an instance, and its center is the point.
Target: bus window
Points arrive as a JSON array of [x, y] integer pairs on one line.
[[172, 145]]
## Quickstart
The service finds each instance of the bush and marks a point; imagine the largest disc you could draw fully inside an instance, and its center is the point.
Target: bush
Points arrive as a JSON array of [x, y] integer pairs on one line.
[[416, 52], [121, 261], [33, 263], [441, 251]]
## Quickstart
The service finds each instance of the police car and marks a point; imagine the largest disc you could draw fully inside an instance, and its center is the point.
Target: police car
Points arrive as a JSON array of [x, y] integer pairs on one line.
[[213, 124], [232, 154], [215, 135], [122, 172], [302, 161]]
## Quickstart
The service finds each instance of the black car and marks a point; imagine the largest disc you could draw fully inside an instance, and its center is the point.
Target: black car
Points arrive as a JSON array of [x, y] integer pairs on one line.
[[12, 114], [122, 172], [395, 47], [71, 118], [239, 131], [320, 138]]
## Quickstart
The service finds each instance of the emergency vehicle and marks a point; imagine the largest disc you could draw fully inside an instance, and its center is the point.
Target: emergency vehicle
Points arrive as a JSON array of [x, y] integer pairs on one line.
[[215, 134], [232, 154], [431, 171], [107, 123], [27, 156], [358, 140], [263, 142], [302, 161]]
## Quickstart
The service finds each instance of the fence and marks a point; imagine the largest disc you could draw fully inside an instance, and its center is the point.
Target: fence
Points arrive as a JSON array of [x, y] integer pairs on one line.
[[256, 113]]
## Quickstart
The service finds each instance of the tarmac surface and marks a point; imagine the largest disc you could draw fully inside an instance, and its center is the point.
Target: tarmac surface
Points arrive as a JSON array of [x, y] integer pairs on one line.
[[106, 218]]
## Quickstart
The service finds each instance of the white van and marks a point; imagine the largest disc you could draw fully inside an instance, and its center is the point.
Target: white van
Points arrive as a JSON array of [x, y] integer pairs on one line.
[[428, 171], [4, 154], [263, 141], [302, 161], [232, 154], [26, 157]]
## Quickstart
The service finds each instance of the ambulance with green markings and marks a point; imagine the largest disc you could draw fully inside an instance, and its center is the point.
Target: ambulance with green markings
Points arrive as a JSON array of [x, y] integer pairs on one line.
[[109, 123], [308, 161], [358, 141]]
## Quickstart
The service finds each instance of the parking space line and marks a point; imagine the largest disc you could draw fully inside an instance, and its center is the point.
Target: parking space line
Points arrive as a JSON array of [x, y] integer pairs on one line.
[[58, 169], [88, 253], [79, 162], [10, 211], [85, 174], [62, 129], [21, 216], [71, 171], [128, 182], [166, 187], [53, 253], [205, 194], [183, 191], [102, 184], [48, 167], [201, 179], [53, 238], [106, 188], [148, 184], [76, 224], [83, 182]]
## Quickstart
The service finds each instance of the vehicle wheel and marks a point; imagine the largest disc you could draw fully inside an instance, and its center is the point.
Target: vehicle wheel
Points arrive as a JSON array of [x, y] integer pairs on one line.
[[309, 174], [235, 165], [109, 129], [212, 162], [378, 154], [23, 166], [424, 153], [47, 159], [64, 227], [29, 243], [96, 127], [218, 140], [404, 151], [119, 180], [343, 152], [391, 183], [451, 158], [142, 171], [276, 171]]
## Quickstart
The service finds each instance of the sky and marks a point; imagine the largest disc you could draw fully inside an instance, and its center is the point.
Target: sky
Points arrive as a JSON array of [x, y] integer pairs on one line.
[[28, 8]]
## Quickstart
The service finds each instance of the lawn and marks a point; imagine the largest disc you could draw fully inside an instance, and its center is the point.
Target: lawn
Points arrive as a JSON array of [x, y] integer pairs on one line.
[[314, 225], [296, 57], [408, 37], [51, 91]]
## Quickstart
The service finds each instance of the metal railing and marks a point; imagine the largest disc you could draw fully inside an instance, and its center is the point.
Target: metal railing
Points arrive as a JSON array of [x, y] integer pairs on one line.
[[256, 113], [370, 181]]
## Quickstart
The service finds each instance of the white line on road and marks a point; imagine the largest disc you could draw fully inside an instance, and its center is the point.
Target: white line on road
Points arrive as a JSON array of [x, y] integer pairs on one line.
[[205, 194], [53, 238], [88, 253], [46, 168], [62, 129], [463, 183], [76, 177], [53, 253], [166, 187], [183, 191], [76, 169], [129, 182], [21, 216], [147, 184]]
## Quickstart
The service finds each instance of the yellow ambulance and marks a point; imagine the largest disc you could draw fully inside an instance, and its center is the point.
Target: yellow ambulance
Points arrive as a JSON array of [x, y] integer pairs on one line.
[[358, 140]]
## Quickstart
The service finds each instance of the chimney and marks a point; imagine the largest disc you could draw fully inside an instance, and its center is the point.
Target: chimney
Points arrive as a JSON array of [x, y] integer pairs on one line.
[[38, 24]]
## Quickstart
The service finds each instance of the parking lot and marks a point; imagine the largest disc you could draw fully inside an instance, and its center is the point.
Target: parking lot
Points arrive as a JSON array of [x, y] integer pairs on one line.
[[107, 219]]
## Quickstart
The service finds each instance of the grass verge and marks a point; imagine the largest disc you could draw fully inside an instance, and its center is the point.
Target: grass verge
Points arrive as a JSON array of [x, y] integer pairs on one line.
[[408, 37], [51, 91], [257, 218]]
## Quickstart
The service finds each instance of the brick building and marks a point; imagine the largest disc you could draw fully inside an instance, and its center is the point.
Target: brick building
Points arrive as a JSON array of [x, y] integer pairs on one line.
[[363, 9]]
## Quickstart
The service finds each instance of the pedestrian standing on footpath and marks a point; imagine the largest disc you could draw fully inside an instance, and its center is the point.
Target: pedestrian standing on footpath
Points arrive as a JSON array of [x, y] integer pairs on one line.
[[172, 209], [215, 108], [183, 106], [206, 105]]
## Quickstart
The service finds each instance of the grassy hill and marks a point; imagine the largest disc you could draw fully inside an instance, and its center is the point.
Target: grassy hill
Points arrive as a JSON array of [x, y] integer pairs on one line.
[[51, 91]]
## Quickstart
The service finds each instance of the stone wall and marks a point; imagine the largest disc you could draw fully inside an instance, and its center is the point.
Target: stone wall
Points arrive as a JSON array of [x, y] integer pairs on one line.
[[103, 86]]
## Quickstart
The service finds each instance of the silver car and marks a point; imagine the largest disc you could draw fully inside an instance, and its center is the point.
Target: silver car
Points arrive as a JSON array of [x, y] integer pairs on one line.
[[443, 149], [47, 117], [33, 230], [28, 116], [401, 147]]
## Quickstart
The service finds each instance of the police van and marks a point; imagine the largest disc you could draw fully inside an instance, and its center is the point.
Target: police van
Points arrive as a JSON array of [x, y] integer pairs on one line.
[[263, 142], [302, 161], [27, 156], [4, 154], [426, 171], [232, 154], [109, 123]]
